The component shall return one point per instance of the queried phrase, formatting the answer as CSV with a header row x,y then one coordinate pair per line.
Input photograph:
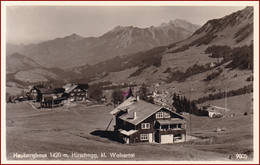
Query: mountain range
x,y
188,57
225,32
189,62
75,50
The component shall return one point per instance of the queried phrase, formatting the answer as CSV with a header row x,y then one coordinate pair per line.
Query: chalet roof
x,y
213,108
68,90
39,86
51,98
59,90
46,91
172,121
142,109
69,87
123,106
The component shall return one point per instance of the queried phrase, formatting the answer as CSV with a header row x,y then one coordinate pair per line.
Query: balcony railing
x,y
171,131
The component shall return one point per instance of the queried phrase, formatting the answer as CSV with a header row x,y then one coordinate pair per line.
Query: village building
x,y
51,98
37,92
216,111
139,121
51,101
48,97
34,91
76,92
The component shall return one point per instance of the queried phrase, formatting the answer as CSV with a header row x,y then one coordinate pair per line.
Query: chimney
x,y
134,115
137,98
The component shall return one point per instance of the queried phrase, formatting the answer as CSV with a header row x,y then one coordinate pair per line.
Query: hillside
x,y
177,66
22,71
17,62
74,50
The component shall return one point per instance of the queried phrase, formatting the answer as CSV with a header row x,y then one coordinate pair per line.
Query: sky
x,y
32,24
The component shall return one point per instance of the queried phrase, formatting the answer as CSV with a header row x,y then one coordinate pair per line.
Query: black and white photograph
x,y
130,82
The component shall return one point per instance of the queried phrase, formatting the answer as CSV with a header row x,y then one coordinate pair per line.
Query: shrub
x,y
95,93
250,78
117,96
181,49
168,70
143,94
182,76
213,75
137,72
218,51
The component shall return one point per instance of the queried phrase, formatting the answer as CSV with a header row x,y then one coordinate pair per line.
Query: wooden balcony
x,y
171,131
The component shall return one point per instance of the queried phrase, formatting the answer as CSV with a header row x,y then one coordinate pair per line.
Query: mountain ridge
x,y
74,50
189,60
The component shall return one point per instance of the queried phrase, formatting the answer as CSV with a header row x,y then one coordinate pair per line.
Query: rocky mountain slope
x,y
74,50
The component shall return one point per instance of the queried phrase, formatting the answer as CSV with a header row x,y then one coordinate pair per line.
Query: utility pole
x,y
226,98
190,109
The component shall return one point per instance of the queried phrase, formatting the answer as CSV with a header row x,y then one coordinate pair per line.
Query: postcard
x,y
130,82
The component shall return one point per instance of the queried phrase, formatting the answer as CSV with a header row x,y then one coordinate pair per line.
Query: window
x,y
165,127
173,126
144,136
145,125
159,115
167,115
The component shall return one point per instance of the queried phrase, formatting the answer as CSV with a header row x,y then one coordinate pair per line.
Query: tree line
x,y
240,57
118,95
182,104
221,95
182,76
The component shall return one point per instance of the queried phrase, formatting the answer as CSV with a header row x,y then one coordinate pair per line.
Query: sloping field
x,y
80,129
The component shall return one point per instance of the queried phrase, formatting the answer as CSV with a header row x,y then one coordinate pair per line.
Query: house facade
x,y
52,98
139,121
35,92
51,101
76,92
